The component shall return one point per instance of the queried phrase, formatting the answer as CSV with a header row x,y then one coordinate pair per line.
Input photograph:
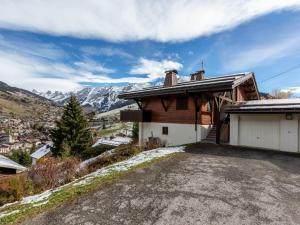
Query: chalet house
x,y
187,112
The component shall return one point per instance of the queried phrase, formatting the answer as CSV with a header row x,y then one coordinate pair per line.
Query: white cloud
x,y
121,20
294,90
33,48
107,51
93,66
154,69
25,72
30,72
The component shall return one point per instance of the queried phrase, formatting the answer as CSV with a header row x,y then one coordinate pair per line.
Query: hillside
x,y
23,103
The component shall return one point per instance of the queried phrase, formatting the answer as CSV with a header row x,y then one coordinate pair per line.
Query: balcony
x,y
135,116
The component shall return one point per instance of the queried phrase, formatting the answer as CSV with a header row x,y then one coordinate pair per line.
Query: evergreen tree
x,y
72,135
21,156
33,148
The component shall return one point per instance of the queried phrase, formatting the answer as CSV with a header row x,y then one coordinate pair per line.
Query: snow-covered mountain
x,y
100,99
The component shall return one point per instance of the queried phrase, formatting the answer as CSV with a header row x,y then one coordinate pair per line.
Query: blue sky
x,y
67,45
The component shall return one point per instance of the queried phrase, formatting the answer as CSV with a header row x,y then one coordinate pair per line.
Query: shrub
x,y
121,153
53,173
95,151
13,188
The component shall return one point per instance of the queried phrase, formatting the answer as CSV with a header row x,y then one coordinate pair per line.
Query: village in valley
x,y
30,134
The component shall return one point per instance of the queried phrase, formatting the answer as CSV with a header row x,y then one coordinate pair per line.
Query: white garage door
x,y
259,131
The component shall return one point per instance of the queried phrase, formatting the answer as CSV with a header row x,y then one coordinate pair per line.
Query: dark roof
x,y
266,106
214,84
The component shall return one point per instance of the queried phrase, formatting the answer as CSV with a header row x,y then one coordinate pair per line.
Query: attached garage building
x,y
268,124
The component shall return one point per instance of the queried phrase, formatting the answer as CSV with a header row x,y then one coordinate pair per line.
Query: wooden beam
x,y
139,103
242,80
162,100
226,99
217,102
220,99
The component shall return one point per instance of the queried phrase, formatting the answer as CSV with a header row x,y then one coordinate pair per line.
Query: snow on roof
x,y
8,163
113,142
267,105
41,152
288,101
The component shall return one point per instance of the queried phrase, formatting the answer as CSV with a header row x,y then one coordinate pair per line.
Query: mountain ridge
x,y
99,99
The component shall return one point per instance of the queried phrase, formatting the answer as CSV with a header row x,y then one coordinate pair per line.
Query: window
x,y
182,103
165,130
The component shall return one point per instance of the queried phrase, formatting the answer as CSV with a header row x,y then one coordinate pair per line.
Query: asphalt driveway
x,y
207,185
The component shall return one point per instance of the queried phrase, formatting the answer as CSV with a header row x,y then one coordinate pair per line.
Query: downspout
x,y
196,117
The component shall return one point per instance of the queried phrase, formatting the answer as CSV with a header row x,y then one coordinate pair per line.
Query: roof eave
x,y
185,90
260,111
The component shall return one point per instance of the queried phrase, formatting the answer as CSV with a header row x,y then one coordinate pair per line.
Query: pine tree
x,y
72,135
22,157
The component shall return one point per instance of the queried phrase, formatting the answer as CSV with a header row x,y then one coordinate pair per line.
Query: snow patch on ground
x,y
91,160
41,203
37,198
127,164
113,142
8,213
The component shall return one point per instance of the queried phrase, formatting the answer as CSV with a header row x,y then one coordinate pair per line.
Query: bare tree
x,y
279,94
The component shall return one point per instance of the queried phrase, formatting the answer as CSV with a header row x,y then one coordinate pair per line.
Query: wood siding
x,y
241,95
176,116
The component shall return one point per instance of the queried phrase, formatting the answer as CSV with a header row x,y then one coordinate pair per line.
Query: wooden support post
x,y
218,127
234,95
196,111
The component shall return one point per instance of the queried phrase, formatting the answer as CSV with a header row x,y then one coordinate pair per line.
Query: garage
x,y
267,124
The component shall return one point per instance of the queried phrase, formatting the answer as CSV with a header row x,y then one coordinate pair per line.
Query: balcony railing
x,y
135,116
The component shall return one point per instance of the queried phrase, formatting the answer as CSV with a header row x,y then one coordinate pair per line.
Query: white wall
x,y
270,131
234,129
178,133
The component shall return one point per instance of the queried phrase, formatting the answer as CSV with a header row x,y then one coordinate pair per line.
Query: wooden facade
x,y
169,113
206,99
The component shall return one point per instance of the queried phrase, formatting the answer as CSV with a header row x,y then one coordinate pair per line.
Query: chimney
x,y
171,78
199,75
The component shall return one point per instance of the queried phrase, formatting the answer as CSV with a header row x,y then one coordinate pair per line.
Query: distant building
x,y
6,138
8,166
4,149
44,151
